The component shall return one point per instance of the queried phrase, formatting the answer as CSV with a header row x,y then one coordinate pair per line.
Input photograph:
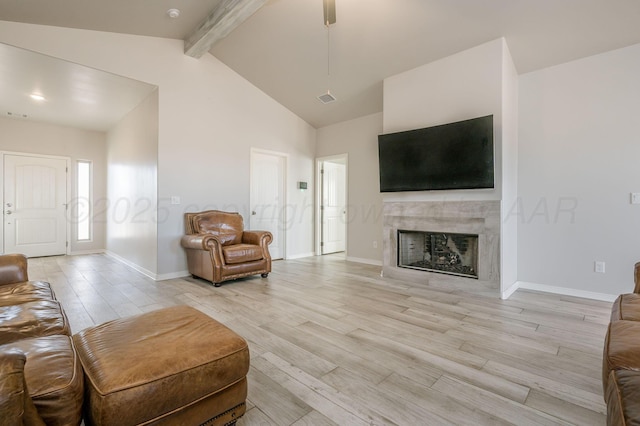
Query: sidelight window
x,y
83,205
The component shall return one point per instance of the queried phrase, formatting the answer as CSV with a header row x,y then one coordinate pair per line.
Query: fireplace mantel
x,y
463,217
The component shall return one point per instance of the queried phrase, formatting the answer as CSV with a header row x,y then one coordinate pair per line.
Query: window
x,y
84,200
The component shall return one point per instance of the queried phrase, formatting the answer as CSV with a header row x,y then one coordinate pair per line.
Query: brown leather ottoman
x,y
172,366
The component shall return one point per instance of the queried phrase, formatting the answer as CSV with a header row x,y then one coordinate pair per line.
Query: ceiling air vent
x,y
326,98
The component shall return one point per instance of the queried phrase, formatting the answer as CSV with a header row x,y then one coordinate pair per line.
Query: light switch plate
x,y
635,198
175,199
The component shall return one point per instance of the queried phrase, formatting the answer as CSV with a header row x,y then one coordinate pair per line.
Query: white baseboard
x,y
508,292
365,261
172,275
565,291
130,264
300,256
80,252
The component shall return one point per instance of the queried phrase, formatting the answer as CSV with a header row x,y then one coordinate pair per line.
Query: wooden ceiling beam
x,y
221,21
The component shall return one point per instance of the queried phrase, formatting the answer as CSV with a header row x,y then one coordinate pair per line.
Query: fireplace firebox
x,y
442,252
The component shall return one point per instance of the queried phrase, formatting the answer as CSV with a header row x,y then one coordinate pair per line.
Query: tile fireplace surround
x,y
462,217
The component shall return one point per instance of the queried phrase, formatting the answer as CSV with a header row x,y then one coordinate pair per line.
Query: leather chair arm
x,y
206,242
260,238
16,406
13,269
12,384
637,278
200,242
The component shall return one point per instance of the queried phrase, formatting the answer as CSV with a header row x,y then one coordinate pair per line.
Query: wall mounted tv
x,y
450,156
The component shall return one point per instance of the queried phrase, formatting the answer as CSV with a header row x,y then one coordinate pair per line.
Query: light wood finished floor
x,y
333,343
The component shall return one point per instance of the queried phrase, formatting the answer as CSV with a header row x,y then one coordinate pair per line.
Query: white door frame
x,y
283,203
68,189
318,189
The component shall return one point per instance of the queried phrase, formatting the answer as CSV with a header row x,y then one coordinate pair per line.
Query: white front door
x,y
35,202
267,198
333,207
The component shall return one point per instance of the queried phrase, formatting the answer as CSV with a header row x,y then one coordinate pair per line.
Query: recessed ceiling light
x,y
173,13
37,97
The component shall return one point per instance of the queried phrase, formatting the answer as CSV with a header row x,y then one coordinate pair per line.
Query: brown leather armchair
x,y
219,249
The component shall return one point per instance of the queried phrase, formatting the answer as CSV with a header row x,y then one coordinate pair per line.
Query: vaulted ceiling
x,y
282,48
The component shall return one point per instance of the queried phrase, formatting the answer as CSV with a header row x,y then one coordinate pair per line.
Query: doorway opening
x,y
331,204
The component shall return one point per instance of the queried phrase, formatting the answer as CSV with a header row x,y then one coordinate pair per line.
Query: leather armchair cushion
x,y
32,319
54,378
228,231
27,291
623,397
227,239
159,362
626,307
241,253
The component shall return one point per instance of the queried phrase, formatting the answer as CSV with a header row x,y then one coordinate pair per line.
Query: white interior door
x,y
35,202
268,199
333,207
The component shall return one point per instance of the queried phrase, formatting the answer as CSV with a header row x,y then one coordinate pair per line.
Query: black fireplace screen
x,y
444,252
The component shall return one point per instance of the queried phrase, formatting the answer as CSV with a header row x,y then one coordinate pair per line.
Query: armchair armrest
x,y
637,278
206,242
13,268
259,238
200,242
16,405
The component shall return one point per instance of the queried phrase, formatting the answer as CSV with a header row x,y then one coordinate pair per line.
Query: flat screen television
x,y
450,156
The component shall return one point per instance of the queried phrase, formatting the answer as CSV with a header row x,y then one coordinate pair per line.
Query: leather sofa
x,y
219,248
41,379
621,359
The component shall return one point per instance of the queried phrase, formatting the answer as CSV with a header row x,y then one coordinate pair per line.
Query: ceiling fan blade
x,y
329,7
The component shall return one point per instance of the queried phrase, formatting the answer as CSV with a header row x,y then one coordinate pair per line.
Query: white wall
x,y
132,190
359,139
209,119
578,160
459,87
510,144
78,144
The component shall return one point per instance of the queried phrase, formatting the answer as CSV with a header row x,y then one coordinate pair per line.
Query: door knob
x,y
9,204
8,212
253,213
